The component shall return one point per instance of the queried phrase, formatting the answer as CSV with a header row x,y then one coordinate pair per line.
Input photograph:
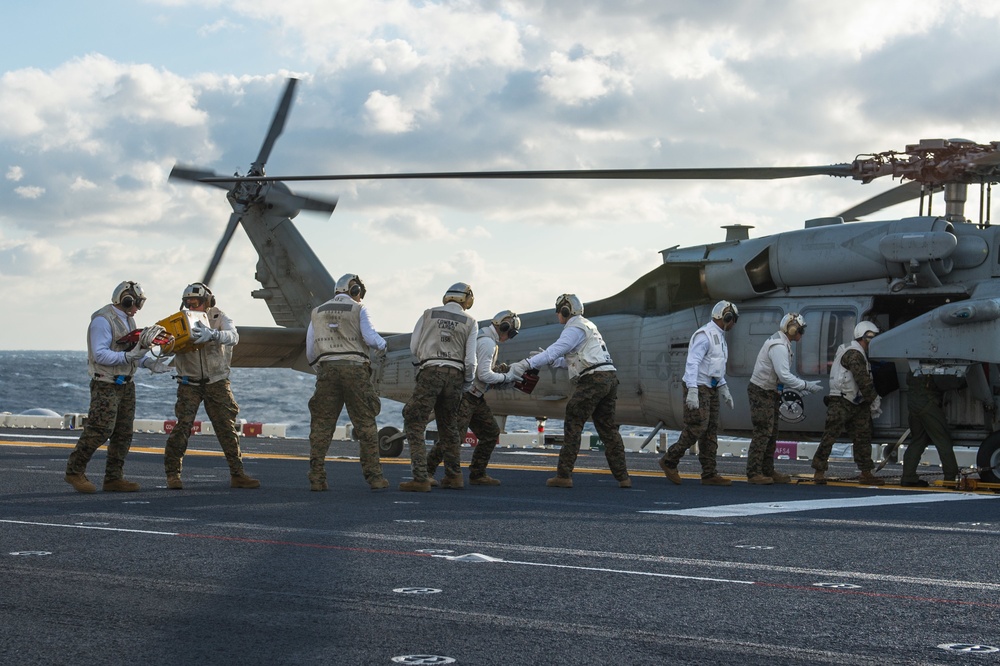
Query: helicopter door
x,y
753,328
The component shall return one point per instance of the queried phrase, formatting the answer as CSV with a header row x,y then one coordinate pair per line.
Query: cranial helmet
x,y
351,285
863,329
507,322
198,290
460,293
725,311
792,323
127,294
568,305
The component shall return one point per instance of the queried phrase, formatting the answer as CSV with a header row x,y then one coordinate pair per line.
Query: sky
x,y
100,99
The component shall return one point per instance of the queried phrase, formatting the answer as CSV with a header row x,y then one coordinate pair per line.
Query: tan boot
x,y
484,480
80,483
716,480
869,479
625,483
243,481
415,486
434,482
120,486
378,484
452,482
671,472
318,486
759,480
174,482
559,482
780,477
819,477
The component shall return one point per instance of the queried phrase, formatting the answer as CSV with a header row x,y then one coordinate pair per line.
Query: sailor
x,y
772,375
851,405
924,402
202,374
474,412
581,349
338,341
111,365
444,344
705,379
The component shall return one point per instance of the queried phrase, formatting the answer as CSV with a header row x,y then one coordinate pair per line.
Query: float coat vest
x,y
107,373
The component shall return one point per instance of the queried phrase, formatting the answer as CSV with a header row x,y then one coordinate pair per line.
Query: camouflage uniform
x,y
336,386
222,410
594,398
927,426
700,427
764,415
473,414
438,389
112,411
842,415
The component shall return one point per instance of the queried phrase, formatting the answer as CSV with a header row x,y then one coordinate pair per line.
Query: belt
x,y
119,379
188,380
342,362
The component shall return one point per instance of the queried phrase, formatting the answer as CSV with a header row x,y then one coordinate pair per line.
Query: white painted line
x,y
651,574
763,508
86,527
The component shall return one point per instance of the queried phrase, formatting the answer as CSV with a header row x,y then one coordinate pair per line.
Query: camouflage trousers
x,y
594,398
928,426
473,414
438,389
764,416
222,411
701,427
856,420
336,386
110,419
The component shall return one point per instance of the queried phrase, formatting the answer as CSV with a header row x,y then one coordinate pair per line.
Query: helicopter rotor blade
x,y
197,176
899,194
277,126
227,236
305,202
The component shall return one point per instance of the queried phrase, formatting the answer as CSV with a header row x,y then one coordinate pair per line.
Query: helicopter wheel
x,y
988,458
387,446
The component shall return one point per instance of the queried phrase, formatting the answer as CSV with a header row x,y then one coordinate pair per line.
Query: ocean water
x,y
57,380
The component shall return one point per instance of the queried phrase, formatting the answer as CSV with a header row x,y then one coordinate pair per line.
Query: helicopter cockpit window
x,y
828,329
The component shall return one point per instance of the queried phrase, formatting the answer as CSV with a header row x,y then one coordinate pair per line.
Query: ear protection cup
x,y
504,327
128,302
729,317
564,311
355,290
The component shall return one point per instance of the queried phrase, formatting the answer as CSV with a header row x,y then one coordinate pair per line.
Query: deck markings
x,y
764,508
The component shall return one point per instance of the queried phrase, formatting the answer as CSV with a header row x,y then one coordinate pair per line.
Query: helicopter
x,y
930,282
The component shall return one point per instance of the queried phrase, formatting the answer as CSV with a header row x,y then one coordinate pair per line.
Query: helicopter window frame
x,y
834,326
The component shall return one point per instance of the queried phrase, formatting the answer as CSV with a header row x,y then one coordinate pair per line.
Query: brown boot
x,y
415,486
715,480
625,483
869,479
759,480
318,486
559,482
484,480
80,483
243,481
120,486
174,482
452,482
819,477
671,472
780,477
434,482
378,484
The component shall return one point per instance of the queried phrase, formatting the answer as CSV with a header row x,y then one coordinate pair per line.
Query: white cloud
x,y
29,191
386,113
15,173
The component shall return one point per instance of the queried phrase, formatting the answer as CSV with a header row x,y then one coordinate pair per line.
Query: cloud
x,y
386,113
29,192
15,173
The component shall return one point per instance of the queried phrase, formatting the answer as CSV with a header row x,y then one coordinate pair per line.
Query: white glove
x,y
519,368
813,387
726,396
158,364
148,334
135,355
691,401
877,407
202,334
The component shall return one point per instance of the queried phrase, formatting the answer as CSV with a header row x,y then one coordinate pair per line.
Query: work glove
x,y
158,364
813,387
726,396
202,334
519,368
877,407
691,401
380,356
148,335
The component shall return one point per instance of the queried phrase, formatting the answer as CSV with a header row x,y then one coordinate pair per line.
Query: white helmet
x,y
127,294
568,305
351,285
725,311
460,293
198,290
792,323
507,322
864,328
